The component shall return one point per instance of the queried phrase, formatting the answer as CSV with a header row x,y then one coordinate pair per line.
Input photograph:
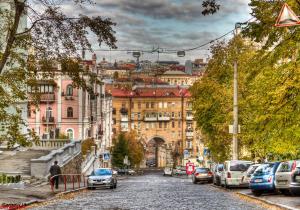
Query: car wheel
x,y
256,193
194,181
226,186
285,192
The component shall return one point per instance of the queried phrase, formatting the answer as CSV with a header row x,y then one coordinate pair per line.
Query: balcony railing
x,y
149,118
163,118
189,134
45,97
189,117
124,118
48,120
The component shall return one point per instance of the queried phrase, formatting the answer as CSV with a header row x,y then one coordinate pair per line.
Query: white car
x,y
283,175
247,176
233,172
168,171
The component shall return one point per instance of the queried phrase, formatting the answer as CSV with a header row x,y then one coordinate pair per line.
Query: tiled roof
x,y
150,92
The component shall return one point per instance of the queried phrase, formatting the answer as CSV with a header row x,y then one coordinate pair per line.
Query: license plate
x,y
282,181
258,180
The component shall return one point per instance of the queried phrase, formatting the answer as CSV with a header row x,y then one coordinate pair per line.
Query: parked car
x,y
295,183
168,171
233,172
263,178
102,177
125,171
247,177
202,175
218,168
131,172
179,171
283,176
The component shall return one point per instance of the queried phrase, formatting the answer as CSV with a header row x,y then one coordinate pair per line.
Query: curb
x,y
281,206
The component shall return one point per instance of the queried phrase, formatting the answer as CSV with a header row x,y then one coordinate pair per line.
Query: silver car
x,y
283,176
102,177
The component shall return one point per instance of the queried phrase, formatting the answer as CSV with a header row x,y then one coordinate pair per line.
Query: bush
x,y
86,145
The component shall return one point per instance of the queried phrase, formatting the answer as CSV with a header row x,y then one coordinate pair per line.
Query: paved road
x,y
153,191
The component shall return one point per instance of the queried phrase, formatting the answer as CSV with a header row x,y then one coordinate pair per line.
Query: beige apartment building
x,y
163,119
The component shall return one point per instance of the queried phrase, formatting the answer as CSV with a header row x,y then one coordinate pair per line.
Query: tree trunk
x,y
11,34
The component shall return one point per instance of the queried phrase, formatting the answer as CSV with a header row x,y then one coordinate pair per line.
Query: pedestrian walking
x,y
55,171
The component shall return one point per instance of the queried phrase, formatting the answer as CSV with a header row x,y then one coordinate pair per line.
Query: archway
x,y
155,152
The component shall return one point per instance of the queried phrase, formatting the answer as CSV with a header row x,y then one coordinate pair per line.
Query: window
x,y
147,126
50,88
139,105
69,90
179,114
160,105
166,105
160,124
173,124
139,115
147,105
152,104
179,124
70,133
70,112
49,112
166,124
173,115
28,110
132,116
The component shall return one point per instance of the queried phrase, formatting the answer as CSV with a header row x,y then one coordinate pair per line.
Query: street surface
x,y
154,191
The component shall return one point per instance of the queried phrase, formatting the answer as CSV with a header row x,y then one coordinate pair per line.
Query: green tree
x,y
51,38
119,151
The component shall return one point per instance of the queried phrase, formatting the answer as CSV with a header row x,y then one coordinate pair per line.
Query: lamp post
x,y
235,102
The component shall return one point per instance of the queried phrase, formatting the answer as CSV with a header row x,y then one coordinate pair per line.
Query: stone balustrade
x,y
40,167
49,144
90,162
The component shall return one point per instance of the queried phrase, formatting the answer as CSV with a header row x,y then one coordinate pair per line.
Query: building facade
x,y
178,78
163,119
66,111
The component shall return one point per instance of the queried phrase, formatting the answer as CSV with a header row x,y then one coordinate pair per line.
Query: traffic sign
x,y
190,167
106,156
287,17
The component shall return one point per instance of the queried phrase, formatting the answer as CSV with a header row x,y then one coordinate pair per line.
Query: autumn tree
x,y
51,38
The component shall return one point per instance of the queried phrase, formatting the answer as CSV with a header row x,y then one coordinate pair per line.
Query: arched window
x,y
69,90
70,133
70,112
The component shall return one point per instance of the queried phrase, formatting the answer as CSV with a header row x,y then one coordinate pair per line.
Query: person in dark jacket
x,y
55,170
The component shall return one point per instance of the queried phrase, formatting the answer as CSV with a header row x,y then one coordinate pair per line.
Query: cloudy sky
x,y
170,24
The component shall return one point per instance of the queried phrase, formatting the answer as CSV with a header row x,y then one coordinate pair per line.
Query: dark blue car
x,y
262,180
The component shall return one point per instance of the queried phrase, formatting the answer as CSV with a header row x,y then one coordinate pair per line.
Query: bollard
x,y
65,182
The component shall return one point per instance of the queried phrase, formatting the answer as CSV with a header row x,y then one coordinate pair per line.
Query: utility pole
x,y
235,102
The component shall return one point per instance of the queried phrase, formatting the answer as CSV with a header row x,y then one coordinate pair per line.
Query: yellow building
x,y
178,78
163,119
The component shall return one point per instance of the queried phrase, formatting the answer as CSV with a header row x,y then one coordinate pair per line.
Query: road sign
x,y
190,167
287,17
106,156
186,154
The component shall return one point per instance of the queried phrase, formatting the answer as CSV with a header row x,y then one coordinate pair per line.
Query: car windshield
x,y
252,169
263,169
202,170
100,172
285,167
239,166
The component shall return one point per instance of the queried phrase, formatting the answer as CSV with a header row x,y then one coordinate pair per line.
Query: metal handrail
x,y
73,177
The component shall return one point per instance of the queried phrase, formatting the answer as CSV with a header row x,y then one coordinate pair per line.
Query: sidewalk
x,y
282,201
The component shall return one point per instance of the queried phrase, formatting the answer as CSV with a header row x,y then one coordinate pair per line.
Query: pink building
x,y
65,110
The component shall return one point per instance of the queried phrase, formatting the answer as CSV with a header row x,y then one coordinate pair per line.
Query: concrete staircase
x,y
18,162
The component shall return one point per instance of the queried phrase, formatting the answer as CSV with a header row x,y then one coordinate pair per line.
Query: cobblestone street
x,y
155,191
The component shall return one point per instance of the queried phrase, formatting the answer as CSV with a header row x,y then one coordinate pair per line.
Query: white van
x,y
233,172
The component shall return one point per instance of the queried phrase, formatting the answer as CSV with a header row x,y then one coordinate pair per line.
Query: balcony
x,y
45,97
189,134
123,110
124,118
69,97
150,117
164,117
189,117
124,129
48,120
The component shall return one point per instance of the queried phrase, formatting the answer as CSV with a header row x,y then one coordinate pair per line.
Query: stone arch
x,y
155,152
